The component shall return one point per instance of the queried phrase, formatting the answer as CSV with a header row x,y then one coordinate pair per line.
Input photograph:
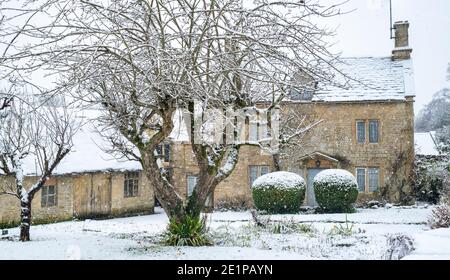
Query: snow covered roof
x,y
372,79
425,144
87,154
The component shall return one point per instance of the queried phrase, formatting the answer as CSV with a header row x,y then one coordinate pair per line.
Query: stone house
x,y
367,128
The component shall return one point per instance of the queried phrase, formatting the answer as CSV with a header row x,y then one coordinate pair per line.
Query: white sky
x,y
365,32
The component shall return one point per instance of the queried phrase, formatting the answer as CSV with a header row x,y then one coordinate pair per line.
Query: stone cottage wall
x,y
336,137
87,195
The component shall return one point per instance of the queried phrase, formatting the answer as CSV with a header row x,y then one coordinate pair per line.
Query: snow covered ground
x,y
362,235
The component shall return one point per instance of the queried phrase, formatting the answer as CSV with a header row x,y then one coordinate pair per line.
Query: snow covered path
x,y
135,238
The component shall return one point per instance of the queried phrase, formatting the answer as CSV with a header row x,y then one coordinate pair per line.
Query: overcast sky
x,y
365,32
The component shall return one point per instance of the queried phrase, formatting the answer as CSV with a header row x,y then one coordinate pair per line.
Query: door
x,y
92,195
310,197
100,195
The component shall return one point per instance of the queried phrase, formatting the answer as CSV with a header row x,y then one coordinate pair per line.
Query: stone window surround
x,y
367,187
367,131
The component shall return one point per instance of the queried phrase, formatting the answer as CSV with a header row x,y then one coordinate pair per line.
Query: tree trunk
x,y
165,193
276,162
25,216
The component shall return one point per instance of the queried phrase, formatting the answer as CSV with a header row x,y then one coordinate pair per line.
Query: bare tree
x,y
144,60
42,135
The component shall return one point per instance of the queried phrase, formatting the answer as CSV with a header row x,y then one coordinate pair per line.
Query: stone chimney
x,y
402,50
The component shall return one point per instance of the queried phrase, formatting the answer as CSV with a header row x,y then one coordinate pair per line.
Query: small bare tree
x,y
30,134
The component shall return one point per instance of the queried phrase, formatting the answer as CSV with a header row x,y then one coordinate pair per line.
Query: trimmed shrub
x,y
336,190
279,192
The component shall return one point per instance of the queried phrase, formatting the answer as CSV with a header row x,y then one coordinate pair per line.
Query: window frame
x,y
365,179
367,188
45,196
370,190
364,130
131,180
378,131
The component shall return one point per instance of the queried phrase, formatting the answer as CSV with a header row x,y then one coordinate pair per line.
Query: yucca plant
x,y
192,231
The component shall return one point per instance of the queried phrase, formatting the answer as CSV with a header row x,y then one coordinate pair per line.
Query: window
x,y
131,184
264,170
254,131
361,179
258,128
191,183
368,177
361,131
255,171
305,86
373,179
49,196
163,152
373,131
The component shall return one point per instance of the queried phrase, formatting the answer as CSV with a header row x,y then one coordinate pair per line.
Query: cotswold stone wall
x,y
336,137
10,205
95,194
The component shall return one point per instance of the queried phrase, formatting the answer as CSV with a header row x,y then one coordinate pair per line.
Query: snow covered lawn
x,y
362,235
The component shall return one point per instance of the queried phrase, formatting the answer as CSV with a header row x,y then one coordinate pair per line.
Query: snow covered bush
x,y
399,246
336,190
440,216
279,192
432,178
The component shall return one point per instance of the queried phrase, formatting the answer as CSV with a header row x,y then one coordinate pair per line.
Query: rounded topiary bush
x,y
279,192
336,190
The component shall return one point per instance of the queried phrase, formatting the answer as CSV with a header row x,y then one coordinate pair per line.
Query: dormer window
x,y
304,88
